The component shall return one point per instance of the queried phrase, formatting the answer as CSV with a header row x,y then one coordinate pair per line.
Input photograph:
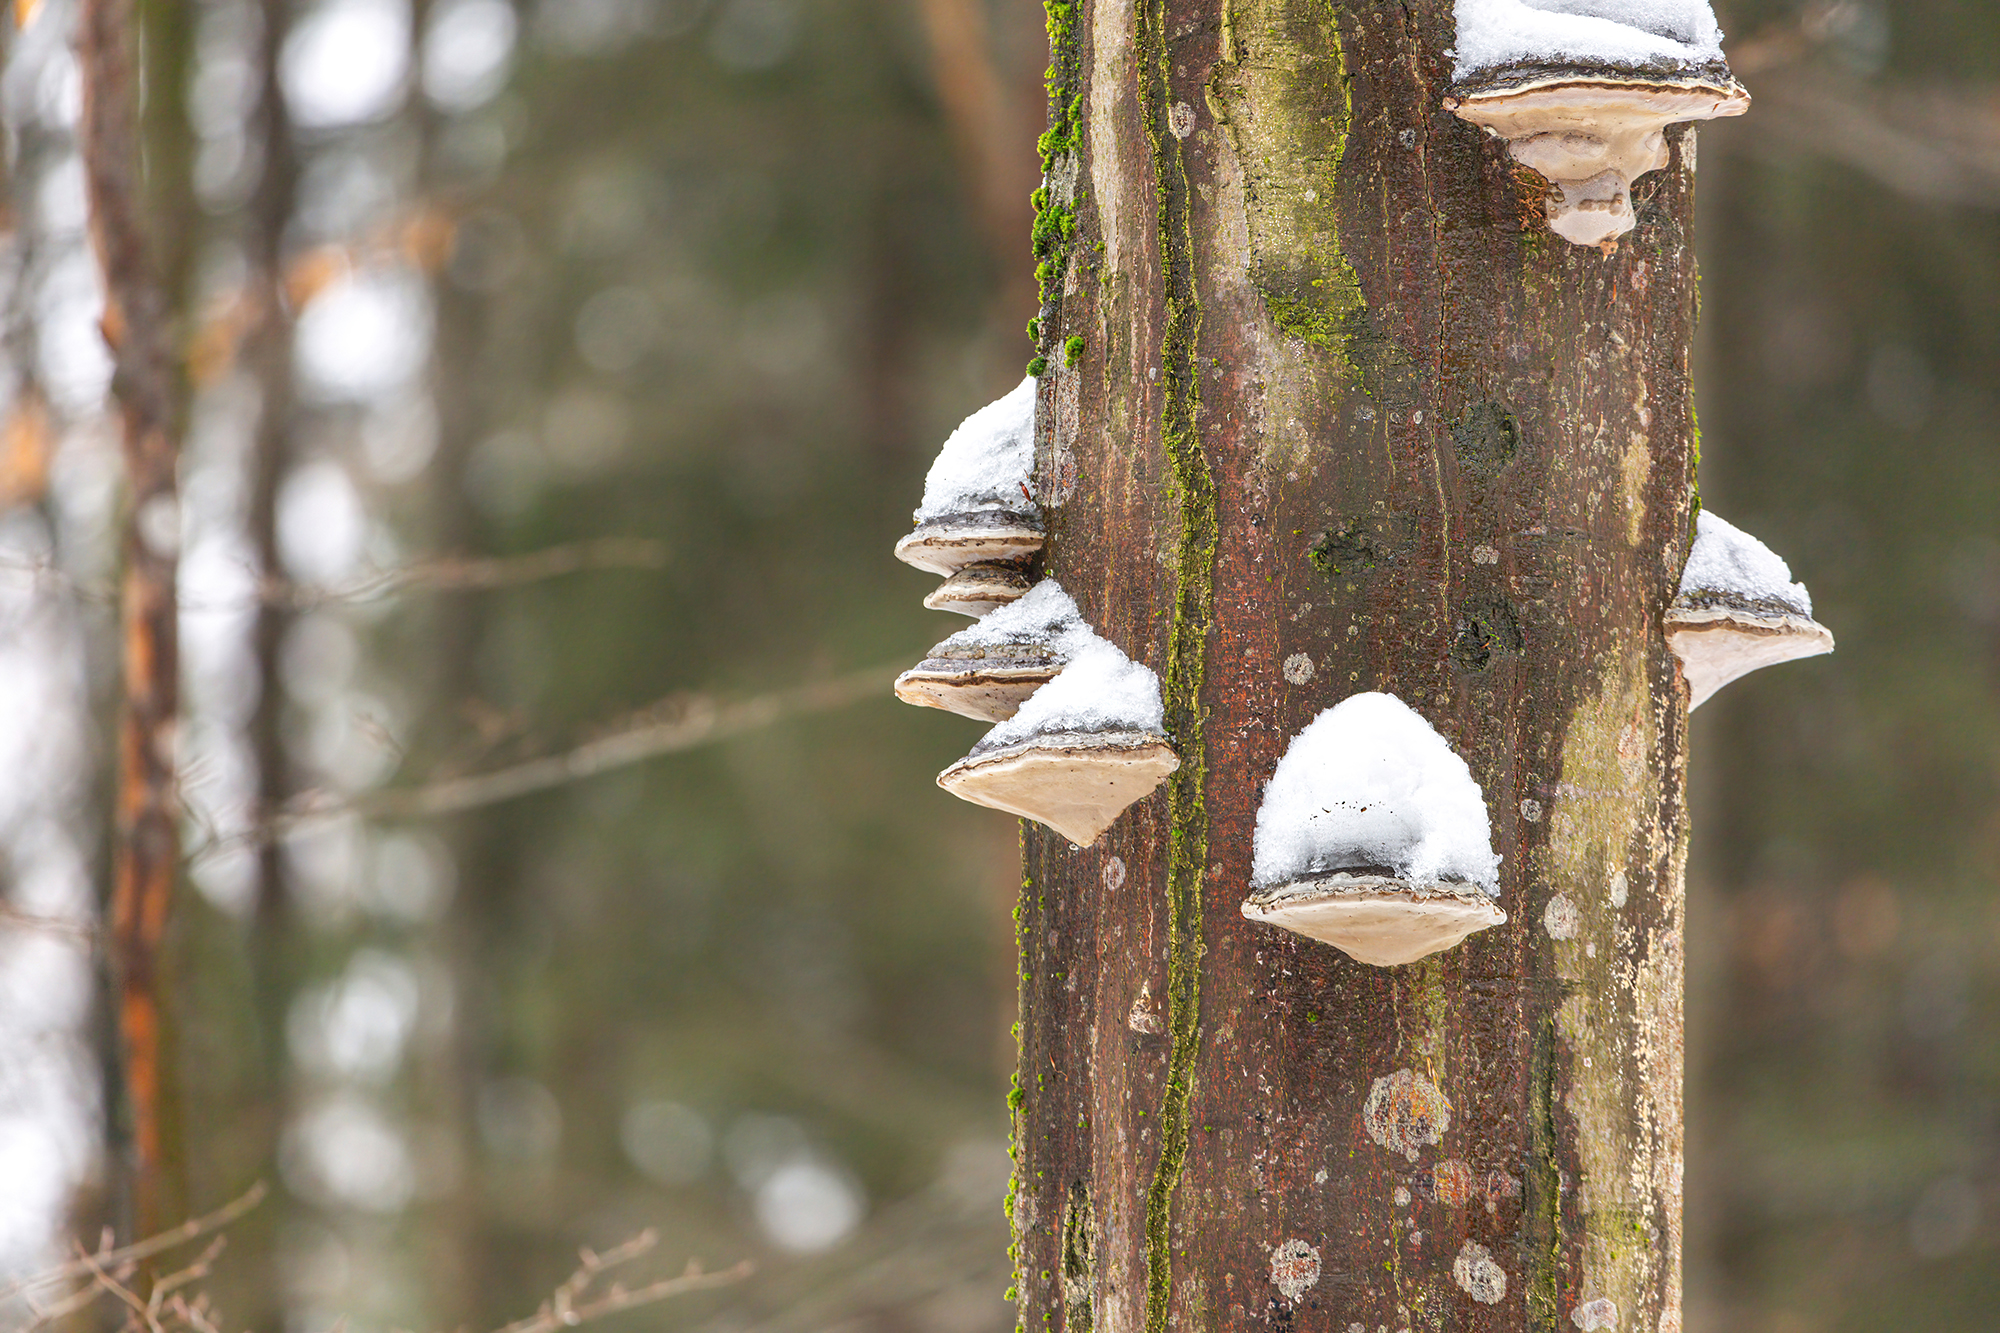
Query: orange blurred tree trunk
x,y
147,384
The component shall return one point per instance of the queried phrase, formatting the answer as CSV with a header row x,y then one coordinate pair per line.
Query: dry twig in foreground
x,y
571,1304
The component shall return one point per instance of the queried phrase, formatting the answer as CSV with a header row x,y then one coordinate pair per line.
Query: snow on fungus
x,y
1373,837
1080,751
978,589
1738,610
977,504
989,669
1581,90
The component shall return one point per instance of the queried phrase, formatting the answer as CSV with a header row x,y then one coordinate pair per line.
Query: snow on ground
x,y
1728,564
986,462
1369,783
1044,615
1100,690
1637,34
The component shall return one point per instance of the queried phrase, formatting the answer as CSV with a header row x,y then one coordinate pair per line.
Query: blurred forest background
x,y
615,339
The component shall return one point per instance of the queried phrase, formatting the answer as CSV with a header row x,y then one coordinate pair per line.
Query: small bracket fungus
x,y
988,670
978,589
1738,610
1373,837
1077,753
977,507
1581,90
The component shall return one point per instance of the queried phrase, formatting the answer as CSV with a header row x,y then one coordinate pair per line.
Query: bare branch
x,y
81,931
568,1307
438,574
106,1257
679,722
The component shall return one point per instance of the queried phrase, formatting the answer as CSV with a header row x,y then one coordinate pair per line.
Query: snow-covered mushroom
x,y
1082,749
1373,837
978,589
978,508
1581,90
987,670
1738,610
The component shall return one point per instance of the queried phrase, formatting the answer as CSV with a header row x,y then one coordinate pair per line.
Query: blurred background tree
x,y
569,367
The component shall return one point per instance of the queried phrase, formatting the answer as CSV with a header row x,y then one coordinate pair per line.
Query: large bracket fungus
x,y
1737,610
1581,90
989,669
978,509
1373,837
1080,751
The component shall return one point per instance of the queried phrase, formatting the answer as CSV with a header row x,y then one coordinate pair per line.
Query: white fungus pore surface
x,y
1728,565
1651,35
1101,690
1045,614
986,462
1369,783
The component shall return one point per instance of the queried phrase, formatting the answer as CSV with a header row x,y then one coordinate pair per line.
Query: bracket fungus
x,y
1080,751
989,669
978,589
1581,90
977,506
1738,610
1373,837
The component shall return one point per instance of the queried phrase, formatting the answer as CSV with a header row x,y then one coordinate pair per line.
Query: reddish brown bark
x,y
1346,417
146,856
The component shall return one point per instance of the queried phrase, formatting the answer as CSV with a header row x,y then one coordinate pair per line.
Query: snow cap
x,y
1655,36
1100,691
986,462
1727,564
1369,783
1045,614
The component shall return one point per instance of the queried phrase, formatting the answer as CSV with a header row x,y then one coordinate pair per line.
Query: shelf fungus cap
x,y
989,669
1375,917
978,505
1373,837
1581,90
1738,610
1079,752
978,589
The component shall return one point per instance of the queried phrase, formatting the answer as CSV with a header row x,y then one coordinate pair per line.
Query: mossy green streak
x,y
1187,651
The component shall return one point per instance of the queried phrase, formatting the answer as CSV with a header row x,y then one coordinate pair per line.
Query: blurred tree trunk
x,y
1345,416
134,161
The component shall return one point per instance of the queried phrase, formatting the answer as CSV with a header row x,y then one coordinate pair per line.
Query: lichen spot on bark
x,y
1294,1269
1482,1278
1406,1112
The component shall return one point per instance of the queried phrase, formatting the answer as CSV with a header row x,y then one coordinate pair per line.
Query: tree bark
x,y
1345,416
146,852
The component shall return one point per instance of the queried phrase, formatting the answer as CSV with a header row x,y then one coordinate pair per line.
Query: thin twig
x,y
81,931
681,722
120,1290
438,574
567,1308
192,1229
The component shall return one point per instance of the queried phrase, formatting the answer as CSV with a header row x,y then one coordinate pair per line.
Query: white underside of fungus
x,y
1738,610
989,669
1581,90
1373,837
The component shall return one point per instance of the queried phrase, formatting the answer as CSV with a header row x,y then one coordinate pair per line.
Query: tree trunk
x,y
146,382
1345,416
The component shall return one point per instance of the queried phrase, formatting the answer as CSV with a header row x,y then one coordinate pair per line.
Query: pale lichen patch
x,y
1475,1270
1406,1112
1294,1269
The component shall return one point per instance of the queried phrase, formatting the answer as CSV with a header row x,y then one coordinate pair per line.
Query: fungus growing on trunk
x,y
988,670
978,508
1581,90
1738,610
1080,751
1373,837
978,589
